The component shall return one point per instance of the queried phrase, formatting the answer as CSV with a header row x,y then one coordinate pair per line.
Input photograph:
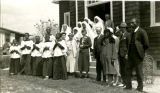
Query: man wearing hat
x,y
71,54
123,51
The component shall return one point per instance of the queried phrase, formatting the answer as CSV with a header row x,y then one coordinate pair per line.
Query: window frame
x,y
67,14
153,22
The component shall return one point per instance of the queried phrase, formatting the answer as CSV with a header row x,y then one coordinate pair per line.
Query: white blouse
x,y
47,53
60,52
14,54
27,43
35,52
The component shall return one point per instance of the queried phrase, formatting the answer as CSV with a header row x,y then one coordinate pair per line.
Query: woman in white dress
x,y
66,29
71,54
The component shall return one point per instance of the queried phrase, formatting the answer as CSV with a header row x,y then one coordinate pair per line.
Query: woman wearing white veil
x,y
91,24
79,25
98,22
66,29
90,32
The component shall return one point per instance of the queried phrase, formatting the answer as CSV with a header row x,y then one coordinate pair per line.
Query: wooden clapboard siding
x,y
72,8
80,10
63,7
117,12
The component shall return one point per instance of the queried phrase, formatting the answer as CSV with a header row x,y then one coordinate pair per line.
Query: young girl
x,y
71,54
59,52
47,57
26,48
15,58
36,57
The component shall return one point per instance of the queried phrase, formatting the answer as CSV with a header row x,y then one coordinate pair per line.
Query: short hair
x,y
136,19
26,34
106,30
84,30
63,33
58,35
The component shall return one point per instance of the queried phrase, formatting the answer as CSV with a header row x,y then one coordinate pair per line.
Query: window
x,y
158,65
155,13
67,18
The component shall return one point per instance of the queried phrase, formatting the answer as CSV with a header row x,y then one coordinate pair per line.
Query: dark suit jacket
x,y
141,41
123,45
97,46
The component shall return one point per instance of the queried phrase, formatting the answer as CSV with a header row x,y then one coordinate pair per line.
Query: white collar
x,y
136,29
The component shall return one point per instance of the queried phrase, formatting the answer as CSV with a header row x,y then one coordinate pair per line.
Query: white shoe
x,y
46,78
121,85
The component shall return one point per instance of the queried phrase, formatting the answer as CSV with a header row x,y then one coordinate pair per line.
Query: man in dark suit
x,y
123,51
137,43
97,51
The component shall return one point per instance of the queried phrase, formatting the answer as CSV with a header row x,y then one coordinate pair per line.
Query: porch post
x,y
123,11
76,12
111,9
85,8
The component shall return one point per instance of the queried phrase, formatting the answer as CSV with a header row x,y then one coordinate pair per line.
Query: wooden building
x,y
7,34
148,12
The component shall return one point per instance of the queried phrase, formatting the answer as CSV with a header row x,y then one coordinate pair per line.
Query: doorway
x,y
99,10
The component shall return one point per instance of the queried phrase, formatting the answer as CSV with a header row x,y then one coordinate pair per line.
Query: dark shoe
x,y
140,90
86,76
80,76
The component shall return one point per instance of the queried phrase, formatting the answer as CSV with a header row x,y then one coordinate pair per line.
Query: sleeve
x,y
145,40
114,53
19,49
31,44
65,47
10,49
94,47
41,47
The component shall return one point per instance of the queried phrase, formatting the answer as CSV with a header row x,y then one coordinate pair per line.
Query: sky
x,y
22,15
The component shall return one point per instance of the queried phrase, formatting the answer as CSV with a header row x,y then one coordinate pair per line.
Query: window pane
x,y
157,11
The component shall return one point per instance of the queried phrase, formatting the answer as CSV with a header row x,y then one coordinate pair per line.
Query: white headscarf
x,y
78,35
100,24
80,24
89,21
67,31
90,32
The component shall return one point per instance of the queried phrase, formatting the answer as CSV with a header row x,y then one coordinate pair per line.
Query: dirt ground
x,y
31,84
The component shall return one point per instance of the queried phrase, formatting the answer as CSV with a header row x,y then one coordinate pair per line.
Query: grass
x,y
31,84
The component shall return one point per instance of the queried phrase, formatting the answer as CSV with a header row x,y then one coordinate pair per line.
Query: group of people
x,y
117,51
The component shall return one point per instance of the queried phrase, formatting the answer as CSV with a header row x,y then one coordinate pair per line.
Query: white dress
x,y
71,56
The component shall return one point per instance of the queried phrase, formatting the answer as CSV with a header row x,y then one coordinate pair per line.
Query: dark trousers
x,y
134,61
14,65
26,64
122,64
99,70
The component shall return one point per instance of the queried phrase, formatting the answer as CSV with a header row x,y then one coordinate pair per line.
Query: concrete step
x,y
92,69
92,75
93,63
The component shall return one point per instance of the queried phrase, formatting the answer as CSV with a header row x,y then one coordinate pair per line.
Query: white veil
x,y
67,31
90,32
100,24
